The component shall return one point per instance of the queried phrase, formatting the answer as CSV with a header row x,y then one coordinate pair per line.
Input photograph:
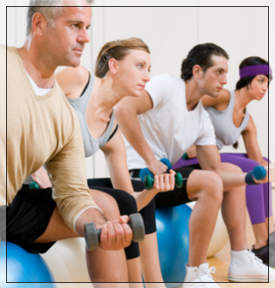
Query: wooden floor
x,y
222,259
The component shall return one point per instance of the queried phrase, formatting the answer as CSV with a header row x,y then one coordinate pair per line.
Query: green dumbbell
x,y
148,178
33,185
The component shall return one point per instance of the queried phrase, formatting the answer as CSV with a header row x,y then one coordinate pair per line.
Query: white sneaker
x,y
200,274
245,267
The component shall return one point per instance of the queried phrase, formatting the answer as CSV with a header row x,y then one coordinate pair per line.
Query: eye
x,y
75,26
140,65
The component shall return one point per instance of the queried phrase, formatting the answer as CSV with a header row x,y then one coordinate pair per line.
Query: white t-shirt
x,y
169,128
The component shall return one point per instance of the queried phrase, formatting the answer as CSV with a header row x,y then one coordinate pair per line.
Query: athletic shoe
x,y
200,277
246,267
261,253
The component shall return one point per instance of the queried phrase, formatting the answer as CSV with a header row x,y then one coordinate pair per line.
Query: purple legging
x,y
258,197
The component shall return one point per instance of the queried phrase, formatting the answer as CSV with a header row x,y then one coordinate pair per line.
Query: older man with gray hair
x,y
43,128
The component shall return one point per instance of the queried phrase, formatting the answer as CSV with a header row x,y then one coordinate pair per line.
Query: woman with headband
x,y
122,69
230,117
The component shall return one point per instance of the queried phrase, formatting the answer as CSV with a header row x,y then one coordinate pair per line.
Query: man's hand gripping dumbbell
x,y
99,237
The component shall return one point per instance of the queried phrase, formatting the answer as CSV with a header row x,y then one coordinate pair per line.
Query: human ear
x,y
38,23
197,71
113,65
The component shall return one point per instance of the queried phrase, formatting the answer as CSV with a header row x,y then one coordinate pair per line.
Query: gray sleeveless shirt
x,y
91,145
226,132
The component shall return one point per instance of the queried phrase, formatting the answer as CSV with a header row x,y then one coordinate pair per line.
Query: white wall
x,y
170,33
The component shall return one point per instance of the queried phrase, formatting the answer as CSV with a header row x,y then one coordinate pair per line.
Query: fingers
x,y
116,235
165,182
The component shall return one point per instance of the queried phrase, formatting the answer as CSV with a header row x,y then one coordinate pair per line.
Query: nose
x,y
146,76
83,36
224,80
265,86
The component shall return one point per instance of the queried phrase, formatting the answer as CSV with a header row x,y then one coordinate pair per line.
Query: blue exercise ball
x,y
18,265
173,242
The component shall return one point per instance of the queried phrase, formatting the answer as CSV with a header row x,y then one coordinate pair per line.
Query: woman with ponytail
x,y
230,117
122,69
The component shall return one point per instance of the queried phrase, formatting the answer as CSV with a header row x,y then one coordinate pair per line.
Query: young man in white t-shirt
x,y
163,123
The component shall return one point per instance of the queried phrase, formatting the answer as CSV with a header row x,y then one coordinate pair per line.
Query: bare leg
x,y
133,265
205,187
150,261
56,230
134,273
234,213
103,266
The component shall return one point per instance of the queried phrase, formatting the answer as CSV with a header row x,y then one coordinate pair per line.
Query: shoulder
x,y
163,79
220,103
72,80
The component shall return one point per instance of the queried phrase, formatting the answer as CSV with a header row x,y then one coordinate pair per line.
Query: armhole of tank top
x,y
86,86
114,132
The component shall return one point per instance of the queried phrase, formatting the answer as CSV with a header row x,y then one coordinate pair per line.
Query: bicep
x,y
250,141
208,157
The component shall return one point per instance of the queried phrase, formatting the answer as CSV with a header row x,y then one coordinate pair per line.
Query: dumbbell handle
x,y
92,234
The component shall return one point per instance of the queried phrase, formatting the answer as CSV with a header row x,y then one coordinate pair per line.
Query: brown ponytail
x,y
118,50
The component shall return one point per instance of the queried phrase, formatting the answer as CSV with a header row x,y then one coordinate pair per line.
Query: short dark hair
x,y
250,61
200,55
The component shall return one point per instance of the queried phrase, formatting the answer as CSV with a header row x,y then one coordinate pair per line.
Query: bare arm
x,y
191,152
209,159
115,155
72,81
251,143
41,178
126,114
220,103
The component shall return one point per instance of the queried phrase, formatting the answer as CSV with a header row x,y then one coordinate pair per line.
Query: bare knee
x,y
206,185
213,188
106,203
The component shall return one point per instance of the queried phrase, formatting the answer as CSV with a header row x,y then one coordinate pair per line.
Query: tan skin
x,y
243,97
226,188
45,49
125,77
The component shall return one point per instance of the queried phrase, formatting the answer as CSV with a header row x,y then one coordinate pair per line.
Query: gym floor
x,y
222,259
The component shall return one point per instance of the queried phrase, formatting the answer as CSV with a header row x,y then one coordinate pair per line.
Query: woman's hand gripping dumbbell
x,y
260,175
147,176
93,235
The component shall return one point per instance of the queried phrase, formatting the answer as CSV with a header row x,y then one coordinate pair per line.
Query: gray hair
x,y
50,9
